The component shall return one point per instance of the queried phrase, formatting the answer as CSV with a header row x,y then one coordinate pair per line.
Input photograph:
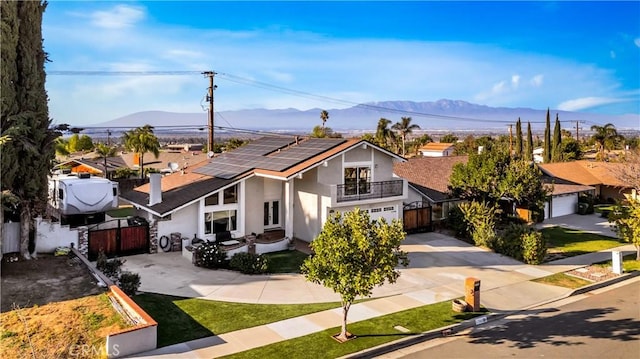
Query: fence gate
x,y
417,217
119,241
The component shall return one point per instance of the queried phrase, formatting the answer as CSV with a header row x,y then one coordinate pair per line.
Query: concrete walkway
x,y
593,223
439,265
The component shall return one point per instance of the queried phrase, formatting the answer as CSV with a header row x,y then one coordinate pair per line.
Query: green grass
x,y
369,333
571,242
629,263
563,280
285,261
183,319
122,212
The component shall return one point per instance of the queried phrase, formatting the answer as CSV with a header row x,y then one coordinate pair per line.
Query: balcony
x,y
369,190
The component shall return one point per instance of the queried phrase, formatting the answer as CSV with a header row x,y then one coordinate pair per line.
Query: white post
x,y
616,262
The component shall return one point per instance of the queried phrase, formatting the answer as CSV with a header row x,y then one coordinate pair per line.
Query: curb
x,y
456,328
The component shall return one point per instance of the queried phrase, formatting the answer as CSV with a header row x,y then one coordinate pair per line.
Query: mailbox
x,y
472,293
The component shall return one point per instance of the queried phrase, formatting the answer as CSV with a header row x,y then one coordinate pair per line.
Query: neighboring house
x,y
564,197
176,154
428,179
287,184
537,155
93,166
599,175
437,149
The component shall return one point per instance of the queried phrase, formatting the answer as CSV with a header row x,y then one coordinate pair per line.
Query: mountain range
x,y
438,115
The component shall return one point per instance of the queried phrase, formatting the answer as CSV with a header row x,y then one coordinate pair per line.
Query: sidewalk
x,y
506,287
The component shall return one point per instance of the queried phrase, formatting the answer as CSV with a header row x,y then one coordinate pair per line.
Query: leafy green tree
x,y
528,149
627,223
404,128
103,151
493,175
324,116
571,150
449,138
467,146
24,113
480,218
519,144
354,254
234,143
556,149
605,137
61,147
85,143
547,140
72,143
142,140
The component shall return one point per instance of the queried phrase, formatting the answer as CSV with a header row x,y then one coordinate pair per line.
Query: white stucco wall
x,y
253,205
184,221
307,206
52,235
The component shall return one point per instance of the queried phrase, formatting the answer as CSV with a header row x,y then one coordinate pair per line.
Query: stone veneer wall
x,y
83,241
153,236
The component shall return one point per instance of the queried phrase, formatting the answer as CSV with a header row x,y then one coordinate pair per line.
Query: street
x,y
600,324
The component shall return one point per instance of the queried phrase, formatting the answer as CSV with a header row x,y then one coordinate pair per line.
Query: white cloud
x,y
537,80
119,17
583,103
515,81
612,54
637,41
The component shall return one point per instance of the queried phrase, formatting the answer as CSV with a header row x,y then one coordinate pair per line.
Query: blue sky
x,y
576,56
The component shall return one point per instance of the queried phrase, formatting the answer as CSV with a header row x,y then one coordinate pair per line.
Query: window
x,y
357,180
212,200
231,195
60,193
220,221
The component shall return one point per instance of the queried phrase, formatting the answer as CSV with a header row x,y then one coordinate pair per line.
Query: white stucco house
x,y
437,149
273,183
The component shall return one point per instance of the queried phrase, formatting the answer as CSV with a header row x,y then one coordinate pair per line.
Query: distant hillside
x,y
438,115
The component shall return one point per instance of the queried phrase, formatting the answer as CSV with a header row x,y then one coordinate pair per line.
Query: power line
x,y
267,86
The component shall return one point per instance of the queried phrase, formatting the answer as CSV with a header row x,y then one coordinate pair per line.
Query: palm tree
x,y
404,128
324,116
141,140
383,133
604,136
104,152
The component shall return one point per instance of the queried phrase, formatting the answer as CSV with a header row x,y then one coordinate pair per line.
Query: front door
x,y
271,214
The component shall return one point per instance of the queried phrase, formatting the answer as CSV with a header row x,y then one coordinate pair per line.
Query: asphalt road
x,y
601,325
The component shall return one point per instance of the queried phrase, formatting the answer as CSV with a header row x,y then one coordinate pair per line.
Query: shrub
x,y
210,255
109,267
456,222
484,235
509,242
480,220
534,247
129,282
249,263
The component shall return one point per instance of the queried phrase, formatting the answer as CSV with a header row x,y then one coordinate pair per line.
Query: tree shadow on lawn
x,y
174,325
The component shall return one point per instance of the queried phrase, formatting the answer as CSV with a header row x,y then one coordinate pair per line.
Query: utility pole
x,y
577,129
210,142
510,140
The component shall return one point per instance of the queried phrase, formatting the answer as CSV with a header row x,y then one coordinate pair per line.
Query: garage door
x,y
564,205
388,213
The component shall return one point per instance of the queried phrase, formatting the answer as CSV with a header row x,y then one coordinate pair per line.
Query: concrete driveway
x,y
438,267
593,223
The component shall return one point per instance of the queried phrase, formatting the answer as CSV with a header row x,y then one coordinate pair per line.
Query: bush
x,y
109,267
534,247
484,235
210,255
129,282
249,263
480,220
456,222
509,242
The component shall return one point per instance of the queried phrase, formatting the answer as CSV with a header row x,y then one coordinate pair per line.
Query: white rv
x,y
82,197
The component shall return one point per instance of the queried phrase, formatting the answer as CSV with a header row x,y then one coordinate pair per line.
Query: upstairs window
x,y
357,180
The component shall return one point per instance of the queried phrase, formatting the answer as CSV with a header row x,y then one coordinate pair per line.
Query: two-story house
x,y
283,183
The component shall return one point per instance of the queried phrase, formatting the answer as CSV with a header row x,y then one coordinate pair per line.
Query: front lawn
x,y
629,263
370,333
563,280
572,242
285,261
121,212
183,319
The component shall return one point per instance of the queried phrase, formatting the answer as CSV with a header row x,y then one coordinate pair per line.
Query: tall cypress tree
x,y
519,138
25,114
528,150
547,140
557,142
